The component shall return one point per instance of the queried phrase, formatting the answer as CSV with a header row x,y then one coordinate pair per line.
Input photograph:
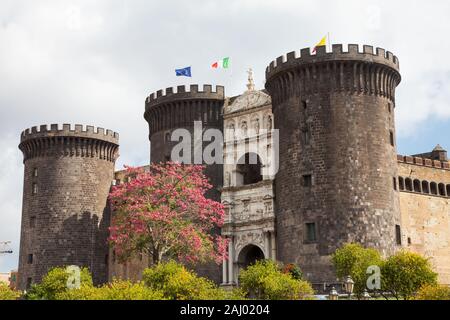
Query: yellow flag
x,y
322,42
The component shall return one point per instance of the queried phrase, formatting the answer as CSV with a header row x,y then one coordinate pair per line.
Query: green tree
x,y
178,283
353,260
433,292
404,273
266,280
6,293
55,282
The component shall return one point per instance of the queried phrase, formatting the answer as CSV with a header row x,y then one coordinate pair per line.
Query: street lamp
x,y
366,295
334,295
348,286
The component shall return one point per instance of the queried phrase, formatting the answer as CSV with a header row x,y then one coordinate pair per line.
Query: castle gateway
x,y
314,166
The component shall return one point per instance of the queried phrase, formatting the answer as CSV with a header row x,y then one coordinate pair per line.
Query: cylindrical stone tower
x,y
65,216
170,110
337,177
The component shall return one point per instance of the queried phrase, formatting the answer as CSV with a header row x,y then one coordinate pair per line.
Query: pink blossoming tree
x,y
163,213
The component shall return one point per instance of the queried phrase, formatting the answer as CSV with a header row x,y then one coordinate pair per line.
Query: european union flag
x,y
186,72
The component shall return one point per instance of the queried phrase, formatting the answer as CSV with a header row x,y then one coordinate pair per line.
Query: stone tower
x,y
68,175
170,110
337,179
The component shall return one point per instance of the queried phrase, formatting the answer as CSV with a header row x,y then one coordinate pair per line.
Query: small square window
x,y
311,232
398,235
32,222
30,259
307,181
304,105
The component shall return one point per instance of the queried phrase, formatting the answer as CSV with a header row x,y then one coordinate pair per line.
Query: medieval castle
x,y
339,178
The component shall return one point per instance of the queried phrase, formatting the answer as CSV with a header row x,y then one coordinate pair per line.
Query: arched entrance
x,y
249,255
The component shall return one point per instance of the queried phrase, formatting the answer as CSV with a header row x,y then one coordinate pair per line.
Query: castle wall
x,y
334,112
425,216
68,174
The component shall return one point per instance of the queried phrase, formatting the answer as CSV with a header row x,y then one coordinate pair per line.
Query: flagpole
x,y
329,41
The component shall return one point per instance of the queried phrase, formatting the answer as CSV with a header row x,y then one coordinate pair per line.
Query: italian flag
x,y
221,64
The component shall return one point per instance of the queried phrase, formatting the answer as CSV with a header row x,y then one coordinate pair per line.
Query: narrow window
x,y
35,172
401,183
409,241
168,137
391,137
417,186
29,282
448,190
433,188
30,259
306,136
32,222
307,181
304,105
389,108
35,188
409,184
398,235
311,234
394,181
425,187
106,259
442,189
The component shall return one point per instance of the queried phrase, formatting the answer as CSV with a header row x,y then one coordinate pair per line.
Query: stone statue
x,y
251,83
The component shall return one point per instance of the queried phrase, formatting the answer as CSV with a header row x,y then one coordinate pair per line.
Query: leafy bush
x,y
55,282
6,293
404,273
433,292
294,271
117,290
178,283
265,280
353,260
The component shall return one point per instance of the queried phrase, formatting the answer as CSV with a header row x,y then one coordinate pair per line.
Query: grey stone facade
x,y
68,175
335,113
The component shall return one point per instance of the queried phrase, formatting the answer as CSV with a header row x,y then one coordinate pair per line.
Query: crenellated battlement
x,y
436,164
364,53
67,130
180,92
168,109
68,141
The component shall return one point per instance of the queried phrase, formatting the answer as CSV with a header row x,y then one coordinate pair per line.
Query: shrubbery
x,y
353,260
6,293
55,282
117,290
265,280
433,292
178,283
404,273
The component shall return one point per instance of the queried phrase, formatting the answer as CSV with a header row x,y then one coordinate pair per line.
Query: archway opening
x,y
249,169
249,255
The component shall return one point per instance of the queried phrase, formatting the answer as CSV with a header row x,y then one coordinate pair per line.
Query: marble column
x,y
224,271
230,260
266,245
273,246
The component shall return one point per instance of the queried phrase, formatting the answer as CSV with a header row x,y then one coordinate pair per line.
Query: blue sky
x,y
95,62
